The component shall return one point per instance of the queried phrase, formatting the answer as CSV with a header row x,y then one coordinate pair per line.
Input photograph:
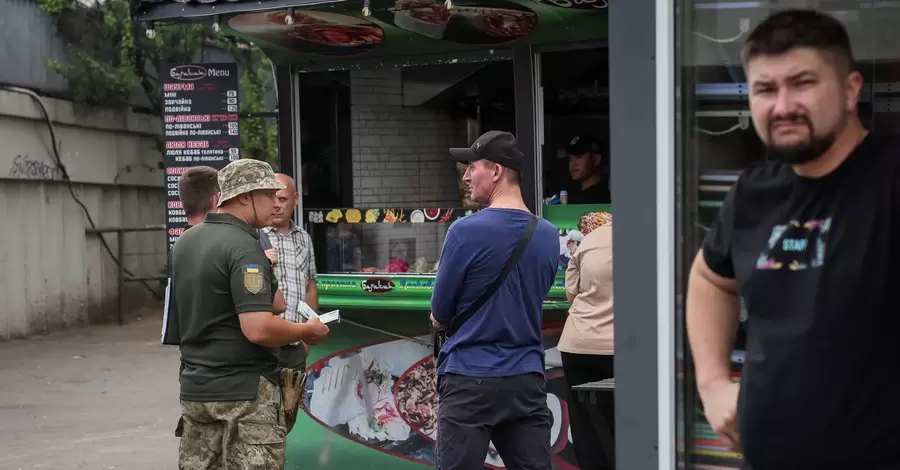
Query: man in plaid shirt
x,y
295,266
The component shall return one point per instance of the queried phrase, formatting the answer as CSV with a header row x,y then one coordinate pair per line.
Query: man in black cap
x,y
496,268
586,169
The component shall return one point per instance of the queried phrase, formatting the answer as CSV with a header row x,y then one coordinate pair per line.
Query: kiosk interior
x,y
371,97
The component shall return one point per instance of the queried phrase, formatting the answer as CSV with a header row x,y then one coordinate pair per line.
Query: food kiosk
x,y
371,95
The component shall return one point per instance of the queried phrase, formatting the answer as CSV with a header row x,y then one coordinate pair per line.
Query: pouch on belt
x,y
293,394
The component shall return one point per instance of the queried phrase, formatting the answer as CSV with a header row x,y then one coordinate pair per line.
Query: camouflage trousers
x,y
239,435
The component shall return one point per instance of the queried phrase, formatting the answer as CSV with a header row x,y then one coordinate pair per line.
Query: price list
x,y
200,119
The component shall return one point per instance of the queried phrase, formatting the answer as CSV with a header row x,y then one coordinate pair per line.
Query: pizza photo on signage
x,y
504,24
492,22
588,5
416,396
425,17
383,395
312,32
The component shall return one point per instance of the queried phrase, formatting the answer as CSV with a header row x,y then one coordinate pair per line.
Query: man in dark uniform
x,y
222,292
198,192
590,185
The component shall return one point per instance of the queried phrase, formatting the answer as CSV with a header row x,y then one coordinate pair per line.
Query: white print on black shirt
x,y
796,246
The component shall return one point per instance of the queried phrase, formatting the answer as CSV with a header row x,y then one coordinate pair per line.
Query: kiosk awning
x,y
189,10
350,31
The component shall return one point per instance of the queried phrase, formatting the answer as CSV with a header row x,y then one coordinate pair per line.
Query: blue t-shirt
x,y
504,337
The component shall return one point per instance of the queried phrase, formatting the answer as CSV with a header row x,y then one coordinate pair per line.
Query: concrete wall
x,y
56,276
400,159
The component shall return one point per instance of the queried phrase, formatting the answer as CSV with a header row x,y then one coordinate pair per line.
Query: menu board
x,y
200,117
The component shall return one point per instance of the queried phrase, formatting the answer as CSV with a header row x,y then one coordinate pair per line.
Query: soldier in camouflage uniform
x,y
222,291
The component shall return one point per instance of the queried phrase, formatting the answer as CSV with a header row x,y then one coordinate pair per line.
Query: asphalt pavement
x,y
103,397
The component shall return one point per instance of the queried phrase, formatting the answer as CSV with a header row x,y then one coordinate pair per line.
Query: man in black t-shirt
x,y
808,240
590,186
222,292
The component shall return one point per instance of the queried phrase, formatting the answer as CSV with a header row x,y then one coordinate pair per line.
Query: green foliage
x,y
259,136
55,7
111,59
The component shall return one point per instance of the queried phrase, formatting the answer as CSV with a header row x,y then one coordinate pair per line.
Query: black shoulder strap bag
x,y
440,336
264,240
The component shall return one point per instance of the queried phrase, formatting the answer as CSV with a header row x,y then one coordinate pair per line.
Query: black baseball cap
x,y
581,144
496,146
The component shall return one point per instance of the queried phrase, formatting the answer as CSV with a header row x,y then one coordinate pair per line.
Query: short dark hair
x,y
512,176
196,187
790,29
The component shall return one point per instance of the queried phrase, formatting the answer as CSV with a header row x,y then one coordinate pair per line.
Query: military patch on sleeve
x,y
253,279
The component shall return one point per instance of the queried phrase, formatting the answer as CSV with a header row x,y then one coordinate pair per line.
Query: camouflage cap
x,y
245,175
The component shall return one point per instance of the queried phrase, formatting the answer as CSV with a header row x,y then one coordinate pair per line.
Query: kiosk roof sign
x,y
292,32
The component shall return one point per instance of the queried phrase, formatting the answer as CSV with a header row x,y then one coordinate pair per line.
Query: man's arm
x,y
312,291
449,281
265,329
251,281
713,314
713,307
312,294
279,305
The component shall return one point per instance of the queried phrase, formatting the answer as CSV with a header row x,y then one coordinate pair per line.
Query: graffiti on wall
x,y
25,168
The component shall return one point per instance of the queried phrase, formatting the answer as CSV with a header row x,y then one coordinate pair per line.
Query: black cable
x,y
65,175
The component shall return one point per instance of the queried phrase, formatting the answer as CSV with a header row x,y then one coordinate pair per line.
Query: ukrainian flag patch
x,y
253,279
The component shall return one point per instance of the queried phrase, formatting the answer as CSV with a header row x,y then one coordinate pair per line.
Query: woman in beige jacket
x,y
586,344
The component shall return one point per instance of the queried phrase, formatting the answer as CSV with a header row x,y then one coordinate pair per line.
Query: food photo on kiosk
x,y
371,97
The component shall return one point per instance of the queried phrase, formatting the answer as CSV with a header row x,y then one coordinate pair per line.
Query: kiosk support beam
x,y
287,93
526,134
642,194
289,159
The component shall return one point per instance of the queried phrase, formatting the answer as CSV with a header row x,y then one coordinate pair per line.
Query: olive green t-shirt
x,y
219,271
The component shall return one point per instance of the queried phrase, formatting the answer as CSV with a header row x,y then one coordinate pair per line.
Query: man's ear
x,y
498,172
215,200
596,158
854,87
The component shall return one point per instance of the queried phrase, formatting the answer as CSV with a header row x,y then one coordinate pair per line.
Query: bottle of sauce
x,y
563,197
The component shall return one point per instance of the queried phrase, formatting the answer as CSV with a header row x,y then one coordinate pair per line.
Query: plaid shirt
x,y
296,267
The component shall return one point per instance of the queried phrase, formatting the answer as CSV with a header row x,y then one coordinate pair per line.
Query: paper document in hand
x,y
306,311
332,316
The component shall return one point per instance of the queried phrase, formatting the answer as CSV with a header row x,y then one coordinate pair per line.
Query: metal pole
x,y
385,332
121,249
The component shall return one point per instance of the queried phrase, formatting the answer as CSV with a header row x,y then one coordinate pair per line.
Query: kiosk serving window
x,y
401,190
575,114
405,190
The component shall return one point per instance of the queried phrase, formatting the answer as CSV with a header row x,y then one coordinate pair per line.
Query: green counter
x,y
378,291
